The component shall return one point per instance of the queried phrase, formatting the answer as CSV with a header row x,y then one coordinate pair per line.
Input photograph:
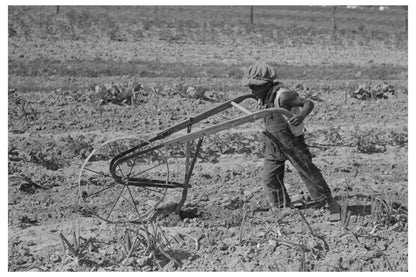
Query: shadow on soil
x,y
178,255
361,210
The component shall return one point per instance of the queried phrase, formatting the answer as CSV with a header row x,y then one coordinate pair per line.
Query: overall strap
x,y
271,96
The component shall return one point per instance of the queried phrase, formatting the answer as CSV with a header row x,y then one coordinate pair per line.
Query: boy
x,y
287,141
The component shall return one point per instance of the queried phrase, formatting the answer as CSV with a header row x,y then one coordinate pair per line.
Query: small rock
x,y
313,243
395,226
142,261
25,252
55,258
223,246
203,198
229,241
317,213
21,262
225,199
128,261
146,268
358,229
129,269
247,193
31,243
27,187
375,254
272,243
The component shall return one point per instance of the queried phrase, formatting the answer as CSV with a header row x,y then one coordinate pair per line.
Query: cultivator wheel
x,y
122,202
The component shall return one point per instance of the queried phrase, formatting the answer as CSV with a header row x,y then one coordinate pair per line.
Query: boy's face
x,y
260,92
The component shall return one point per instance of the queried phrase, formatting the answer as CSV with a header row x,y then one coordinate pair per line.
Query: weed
x,y
130,243
149,240
313,233
333,137
76,250
369,142
302,262
345,213
385,212
243,221
22,108
25,222
119,94
209,237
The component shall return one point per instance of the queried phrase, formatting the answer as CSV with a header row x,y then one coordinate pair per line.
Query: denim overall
x,y
285,146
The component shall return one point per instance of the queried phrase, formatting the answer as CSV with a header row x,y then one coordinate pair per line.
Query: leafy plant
x,y
22,108
119,94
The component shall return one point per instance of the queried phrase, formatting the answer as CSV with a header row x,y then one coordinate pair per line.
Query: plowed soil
x,y
361,147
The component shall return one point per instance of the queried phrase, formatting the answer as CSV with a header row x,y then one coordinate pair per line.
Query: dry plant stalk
x,y
76,249
155,242
313,232
302,263
243,221
207,233
128,246
345,214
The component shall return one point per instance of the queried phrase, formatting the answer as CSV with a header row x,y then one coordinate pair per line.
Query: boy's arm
x,y
290,99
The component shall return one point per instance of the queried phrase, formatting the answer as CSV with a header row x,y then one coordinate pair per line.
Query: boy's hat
x,y
259,74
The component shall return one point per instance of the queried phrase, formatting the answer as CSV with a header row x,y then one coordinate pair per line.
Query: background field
x,y
55,60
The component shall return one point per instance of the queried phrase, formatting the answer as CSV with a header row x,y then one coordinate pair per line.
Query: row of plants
x,y
98,67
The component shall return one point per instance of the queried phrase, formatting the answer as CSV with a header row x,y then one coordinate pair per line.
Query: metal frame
x,y
148,146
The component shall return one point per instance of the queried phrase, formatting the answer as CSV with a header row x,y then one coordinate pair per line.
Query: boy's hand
x,y
290,99
296,120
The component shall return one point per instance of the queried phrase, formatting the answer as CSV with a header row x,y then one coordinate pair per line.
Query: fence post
x,y
156,14
334,24
251,14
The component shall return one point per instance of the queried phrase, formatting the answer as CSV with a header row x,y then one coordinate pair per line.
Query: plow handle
x,y
250,117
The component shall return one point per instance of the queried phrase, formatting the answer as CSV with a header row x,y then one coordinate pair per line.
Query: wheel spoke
x,y
99,191
150,168
121,171
115,202
97,172
131,167
135,206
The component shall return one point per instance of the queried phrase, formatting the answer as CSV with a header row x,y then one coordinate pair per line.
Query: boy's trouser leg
x,y
298,154
273,176
300,141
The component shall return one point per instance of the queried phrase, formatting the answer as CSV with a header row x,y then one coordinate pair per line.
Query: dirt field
x,y
358,134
